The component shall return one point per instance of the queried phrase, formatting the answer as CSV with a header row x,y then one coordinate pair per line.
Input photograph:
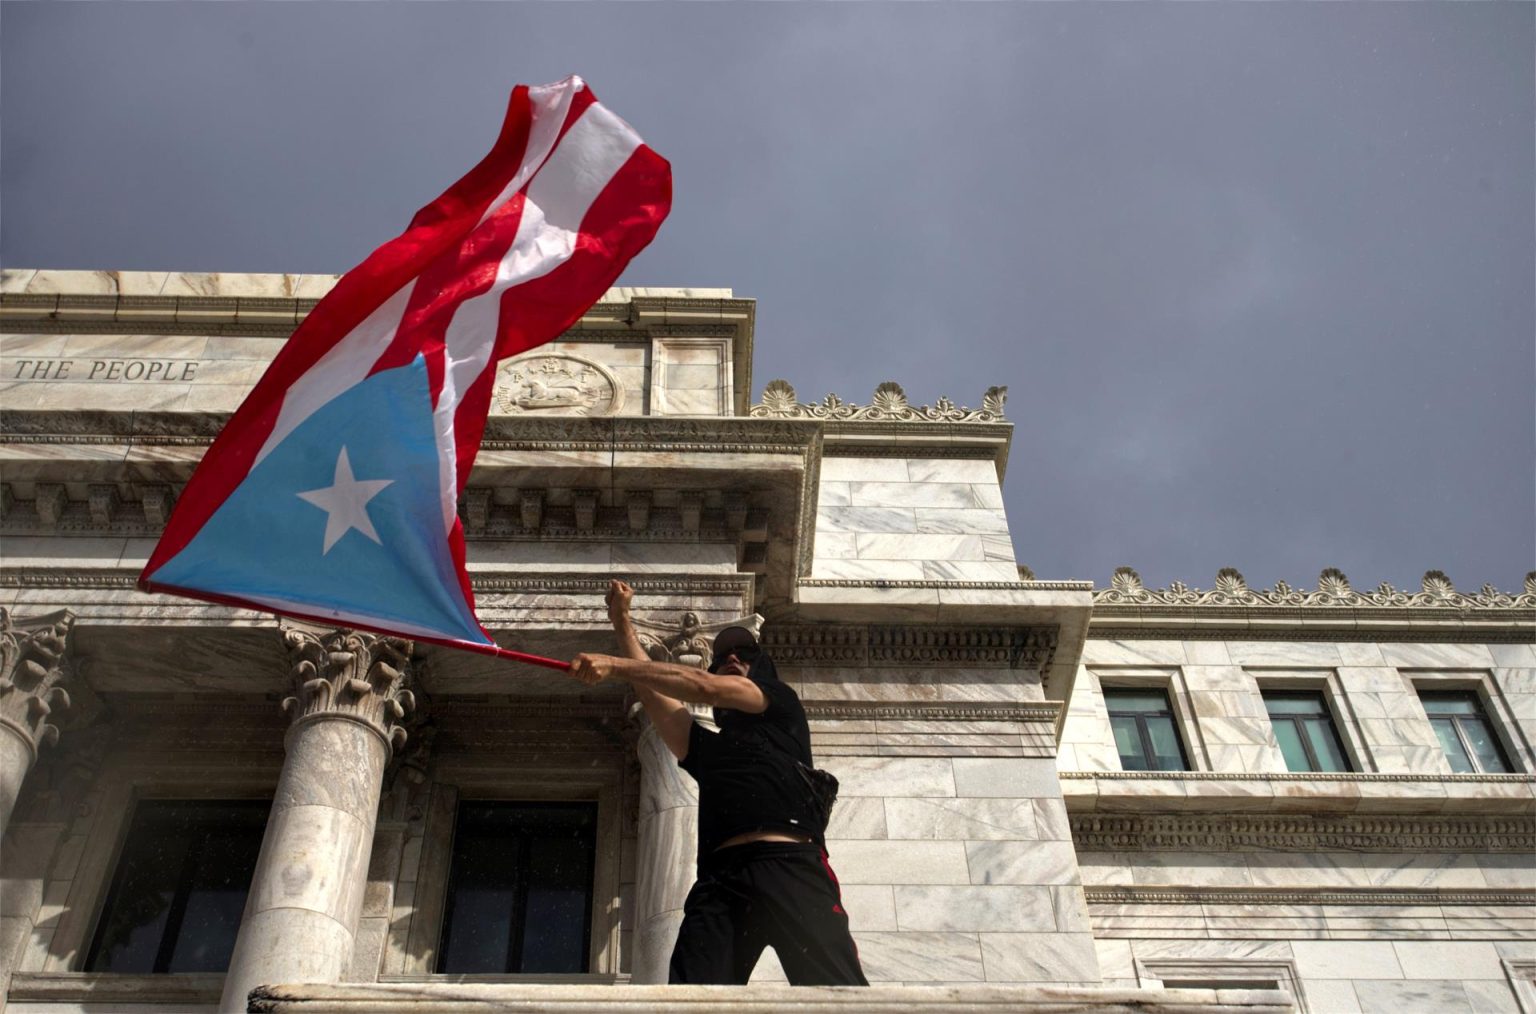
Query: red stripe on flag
x,y
458,276
621,222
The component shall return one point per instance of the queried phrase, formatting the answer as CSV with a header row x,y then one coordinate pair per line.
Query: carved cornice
x,y
910,645
650,584
1041,712
889,404
1333,612
1504,629
708,435
1397,897
32,671
1240,832
277,316
1333,592
735,586
351,675
850,582
906,449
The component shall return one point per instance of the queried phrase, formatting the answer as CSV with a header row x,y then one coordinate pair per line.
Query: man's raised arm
x,y
667,714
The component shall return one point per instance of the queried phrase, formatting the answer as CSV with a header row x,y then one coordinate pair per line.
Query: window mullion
x,y
1466,745
1313,764
178,908
1148,751
519,903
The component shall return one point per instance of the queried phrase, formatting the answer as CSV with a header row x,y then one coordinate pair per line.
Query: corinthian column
x,y
31,671
307,894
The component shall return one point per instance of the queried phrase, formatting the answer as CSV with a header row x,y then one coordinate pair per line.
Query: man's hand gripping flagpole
x,y
331,495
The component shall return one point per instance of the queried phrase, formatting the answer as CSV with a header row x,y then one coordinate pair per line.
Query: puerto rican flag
x,y
332,492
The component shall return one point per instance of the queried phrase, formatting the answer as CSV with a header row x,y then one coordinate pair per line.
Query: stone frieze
x,y
910,645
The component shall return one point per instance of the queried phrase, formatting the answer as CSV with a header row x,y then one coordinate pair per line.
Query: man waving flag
x,y
331,493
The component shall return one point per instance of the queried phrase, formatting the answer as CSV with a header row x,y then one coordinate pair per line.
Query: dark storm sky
x,y
1259,277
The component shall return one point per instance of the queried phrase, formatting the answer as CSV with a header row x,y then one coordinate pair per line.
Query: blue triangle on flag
x,y
267,543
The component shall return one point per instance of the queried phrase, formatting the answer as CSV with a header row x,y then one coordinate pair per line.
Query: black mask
x,y
762,669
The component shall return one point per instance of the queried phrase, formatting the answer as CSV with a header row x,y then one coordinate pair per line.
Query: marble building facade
x,y
1052,792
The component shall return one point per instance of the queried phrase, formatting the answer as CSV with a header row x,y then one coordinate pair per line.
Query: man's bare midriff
x,y
751,836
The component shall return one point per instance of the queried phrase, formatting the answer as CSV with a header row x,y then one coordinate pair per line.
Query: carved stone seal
x,y
555,384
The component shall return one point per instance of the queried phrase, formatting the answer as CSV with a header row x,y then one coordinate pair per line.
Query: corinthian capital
x,y
686,641
352,675
32,669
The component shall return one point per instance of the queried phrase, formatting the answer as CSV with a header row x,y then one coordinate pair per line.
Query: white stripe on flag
x,y
339,370
589,155
550,105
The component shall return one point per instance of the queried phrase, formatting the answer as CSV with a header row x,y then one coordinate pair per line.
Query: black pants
x,y
778,894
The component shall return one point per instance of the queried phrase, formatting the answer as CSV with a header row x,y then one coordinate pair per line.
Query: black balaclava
x,y
762,669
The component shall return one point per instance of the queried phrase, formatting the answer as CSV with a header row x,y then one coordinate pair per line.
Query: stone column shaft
x,y
668,840
307,893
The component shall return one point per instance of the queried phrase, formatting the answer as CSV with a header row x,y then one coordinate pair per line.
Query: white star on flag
x,y
345,502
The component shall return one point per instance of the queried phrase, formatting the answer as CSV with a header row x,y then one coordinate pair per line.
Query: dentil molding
x,y
1239,832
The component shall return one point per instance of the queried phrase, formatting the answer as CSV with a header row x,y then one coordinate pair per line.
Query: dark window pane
x,y
520,889
1295,704
1485,749
1325,744
1464,732
1128,743
1121,700
1445,729
179,889
1291,745
1304,728
1450,703
1145,733
1166,750
220,878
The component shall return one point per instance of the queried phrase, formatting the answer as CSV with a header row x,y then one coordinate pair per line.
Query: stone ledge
x,y
116,991
1365,793
435,998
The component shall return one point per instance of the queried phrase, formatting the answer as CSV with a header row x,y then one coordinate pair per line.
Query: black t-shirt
x,y
746,771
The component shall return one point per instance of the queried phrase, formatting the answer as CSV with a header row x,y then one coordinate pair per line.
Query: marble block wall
x,y
1342,976
912,519
958,869
950,835
1445,927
